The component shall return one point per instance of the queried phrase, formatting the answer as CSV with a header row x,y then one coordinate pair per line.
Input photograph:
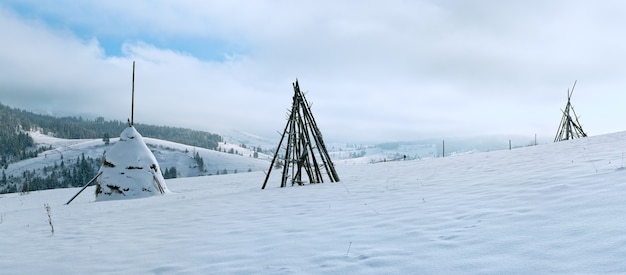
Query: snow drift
x,y
550,209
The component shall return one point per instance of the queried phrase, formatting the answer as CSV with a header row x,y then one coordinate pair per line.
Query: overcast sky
x,y
373,70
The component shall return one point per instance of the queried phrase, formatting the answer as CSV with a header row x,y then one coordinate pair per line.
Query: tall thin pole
x,y
132,104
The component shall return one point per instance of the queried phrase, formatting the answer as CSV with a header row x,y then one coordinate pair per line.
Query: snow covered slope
x,y
168,154
550,209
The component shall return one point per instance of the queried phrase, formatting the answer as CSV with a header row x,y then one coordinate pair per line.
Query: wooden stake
x,y
132,104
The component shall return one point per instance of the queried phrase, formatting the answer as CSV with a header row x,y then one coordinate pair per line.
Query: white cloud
x,y
379,70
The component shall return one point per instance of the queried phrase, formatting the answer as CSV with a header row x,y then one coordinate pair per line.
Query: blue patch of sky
x,y
32,13
202,48
206,49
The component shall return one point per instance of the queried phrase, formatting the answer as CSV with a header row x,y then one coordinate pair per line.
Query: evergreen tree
x,y
106,139
199,161
172,173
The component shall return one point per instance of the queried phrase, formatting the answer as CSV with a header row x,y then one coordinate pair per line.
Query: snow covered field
x,y
557,208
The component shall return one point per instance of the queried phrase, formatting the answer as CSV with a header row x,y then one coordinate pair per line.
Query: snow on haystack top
x,y
129,170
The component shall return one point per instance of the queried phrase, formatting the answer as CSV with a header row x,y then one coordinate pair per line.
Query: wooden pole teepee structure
x,y
305,148
570,127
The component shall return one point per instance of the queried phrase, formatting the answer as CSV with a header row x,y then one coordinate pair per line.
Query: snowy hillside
x,y
549,209
381,153
168,154
241,137
347,152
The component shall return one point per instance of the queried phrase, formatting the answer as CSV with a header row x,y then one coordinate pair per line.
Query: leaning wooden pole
x,y
315,175
267,176
288,151
317,136
84,187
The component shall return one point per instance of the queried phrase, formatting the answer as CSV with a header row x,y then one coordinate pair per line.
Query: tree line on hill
x,y
16,144
63,174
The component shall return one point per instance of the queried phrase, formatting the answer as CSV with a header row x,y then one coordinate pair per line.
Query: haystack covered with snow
x,y
129,170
